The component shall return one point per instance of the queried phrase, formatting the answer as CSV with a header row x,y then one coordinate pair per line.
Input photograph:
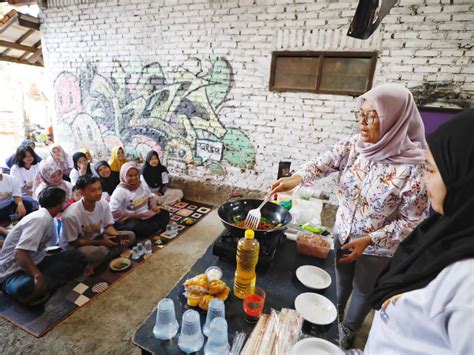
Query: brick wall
x,y
190,77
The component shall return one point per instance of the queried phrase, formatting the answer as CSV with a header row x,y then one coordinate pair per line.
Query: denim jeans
x,y
57,269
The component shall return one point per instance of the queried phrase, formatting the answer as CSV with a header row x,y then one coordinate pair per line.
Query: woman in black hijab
x,y
109,179
81,167
425,296
156,177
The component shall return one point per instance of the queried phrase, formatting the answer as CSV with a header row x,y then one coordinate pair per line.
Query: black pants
x,y
11,209
148,227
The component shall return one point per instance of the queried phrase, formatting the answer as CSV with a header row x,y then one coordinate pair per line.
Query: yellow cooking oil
x,y
247,258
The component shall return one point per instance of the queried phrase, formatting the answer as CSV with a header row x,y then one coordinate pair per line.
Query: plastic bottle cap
x,y
249,234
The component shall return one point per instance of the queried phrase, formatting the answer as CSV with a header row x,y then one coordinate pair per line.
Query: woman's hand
x,y
286,184
358,246
21,210
83,169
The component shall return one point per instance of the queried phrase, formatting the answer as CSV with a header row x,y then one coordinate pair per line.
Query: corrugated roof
x,y
20,39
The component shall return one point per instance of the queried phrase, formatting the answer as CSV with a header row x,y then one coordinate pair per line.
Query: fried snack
x,y
223,294
197,284
216,286
204,302
193,299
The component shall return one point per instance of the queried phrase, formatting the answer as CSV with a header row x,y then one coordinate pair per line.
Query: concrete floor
x,y
107,324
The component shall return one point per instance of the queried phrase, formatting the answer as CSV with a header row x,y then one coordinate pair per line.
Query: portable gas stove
x,y
225,247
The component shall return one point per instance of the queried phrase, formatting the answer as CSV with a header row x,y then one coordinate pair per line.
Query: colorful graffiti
x,y
176,114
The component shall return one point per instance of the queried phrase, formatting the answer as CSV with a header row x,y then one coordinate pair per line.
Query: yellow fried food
x,y
204,302
223,294
197,284
216,286
193,299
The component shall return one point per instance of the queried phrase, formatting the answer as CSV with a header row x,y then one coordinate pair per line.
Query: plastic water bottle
x,y
247,257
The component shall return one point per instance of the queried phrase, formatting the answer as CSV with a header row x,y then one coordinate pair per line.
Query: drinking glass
x,y
14,219
148,249
217,343
190,339
253,303
216,309
166,325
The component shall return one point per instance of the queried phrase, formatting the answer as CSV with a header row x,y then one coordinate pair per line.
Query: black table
x,y
279,282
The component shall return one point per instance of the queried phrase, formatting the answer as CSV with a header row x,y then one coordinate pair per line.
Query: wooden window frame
x,y
321,55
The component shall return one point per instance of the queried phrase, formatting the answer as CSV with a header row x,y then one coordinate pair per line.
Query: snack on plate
x,y
313,245
204,302
193,299
216,287
197,284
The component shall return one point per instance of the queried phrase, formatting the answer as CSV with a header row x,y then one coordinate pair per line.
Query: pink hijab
x,y
401,128
46,169
123,176
63,160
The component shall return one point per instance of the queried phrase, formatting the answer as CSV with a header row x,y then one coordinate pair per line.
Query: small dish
x,y
213,273
311,346
315,308
120,264
313,277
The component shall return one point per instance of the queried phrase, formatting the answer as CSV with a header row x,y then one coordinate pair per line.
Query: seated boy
x,y
11,201
88,226
26,273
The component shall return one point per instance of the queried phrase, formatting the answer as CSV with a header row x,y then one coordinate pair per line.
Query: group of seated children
x,y
104,208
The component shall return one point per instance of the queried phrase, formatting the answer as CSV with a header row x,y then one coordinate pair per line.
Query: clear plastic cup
x,y
190,339
140,248
218,343
216,309
166,325
148,249
172,229
14,219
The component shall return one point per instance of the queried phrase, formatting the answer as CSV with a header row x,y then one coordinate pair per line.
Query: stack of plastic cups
x,y
190,339
216,309
166,325
217,343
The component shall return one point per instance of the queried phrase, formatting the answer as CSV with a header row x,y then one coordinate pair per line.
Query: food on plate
x,y
204,302
223,294
264,223
188,221
313,245
193,299
216,286
120,264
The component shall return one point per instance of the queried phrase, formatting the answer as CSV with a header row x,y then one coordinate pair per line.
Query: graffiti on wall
x,y
175,113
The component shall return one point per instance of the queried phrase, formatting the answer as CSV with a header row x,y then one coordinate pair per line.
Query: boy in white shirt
x,y
27,274
88,226
10,198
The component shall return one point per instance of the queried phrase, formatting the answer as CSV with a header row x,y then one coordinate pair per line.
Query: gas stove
x,y
225,247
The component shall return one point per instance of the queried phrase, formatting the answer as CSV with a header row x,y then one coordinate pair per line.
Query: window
x,y
340,73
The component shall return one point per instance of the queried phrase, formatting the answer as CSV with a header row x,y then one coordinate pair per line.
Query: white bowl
x,y
313,277
315,308
313,346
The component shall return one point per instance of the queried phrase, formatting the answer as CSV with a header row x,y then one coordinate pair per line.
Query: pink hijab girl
x,y
50,174
60,157
402,133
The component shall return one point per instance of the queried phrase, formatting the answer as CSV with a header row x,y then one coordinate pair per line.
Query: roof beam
x,y
16,60
13,45
19,40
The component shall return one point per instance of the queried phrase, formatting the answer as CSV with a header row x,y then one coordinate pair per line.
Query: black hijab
x,y
153,175
75,159
109,183
444,239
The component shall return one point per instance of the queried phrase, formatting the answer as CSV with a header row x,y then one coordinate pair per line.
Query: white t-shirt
x,y
164,178
74,175
437,319
43,185
32,233
26,177
130,201
80,223
9,187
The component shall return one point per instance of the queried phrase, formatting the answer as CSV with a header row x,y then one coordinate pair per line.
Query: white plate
x,y
313,346
313,277
315,308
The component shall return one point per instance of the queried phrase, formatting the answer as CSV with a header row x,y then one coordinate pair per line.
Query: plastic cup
x,y
166,325
148,249
254,303
172,229
14,219
218,343
216,309
140,248
190,339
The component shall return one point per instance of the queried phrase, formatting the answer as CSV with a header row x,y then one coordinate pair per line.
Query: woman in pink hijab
x,y
381,194
62,159
50,174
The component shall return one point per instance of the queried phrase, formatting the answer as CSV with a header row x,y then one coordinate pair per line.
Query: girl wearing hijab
x,y
109,179
135,207
382,197
156,177
50,175
59,156
117,159
425,297
26,143
81,167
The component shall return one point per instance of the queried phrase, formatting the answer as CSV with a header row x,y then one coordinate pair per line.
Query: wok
x,y
240,208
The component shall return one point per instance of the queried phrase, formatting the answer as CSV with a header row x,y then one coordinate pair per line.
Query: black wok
x,y
239,209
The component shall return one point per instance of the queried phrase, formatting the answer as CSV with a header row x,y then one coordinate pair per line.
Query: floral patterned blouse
x,y
384,201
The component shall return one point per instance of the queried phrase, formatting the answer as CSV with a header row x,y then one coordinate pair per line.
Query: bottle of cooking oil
x,y
247,258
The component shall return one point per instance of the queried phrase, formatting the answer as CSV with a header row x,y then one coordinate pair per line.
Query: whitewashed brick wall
x,y
421,41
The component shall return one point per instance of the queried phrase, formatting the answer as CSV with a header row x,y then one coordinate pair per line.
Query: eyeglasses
x,y
367,119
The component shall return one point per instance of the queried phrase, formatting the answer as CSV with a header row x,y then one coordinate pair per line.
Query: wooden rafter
x,y
13,45
18,60
19,40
